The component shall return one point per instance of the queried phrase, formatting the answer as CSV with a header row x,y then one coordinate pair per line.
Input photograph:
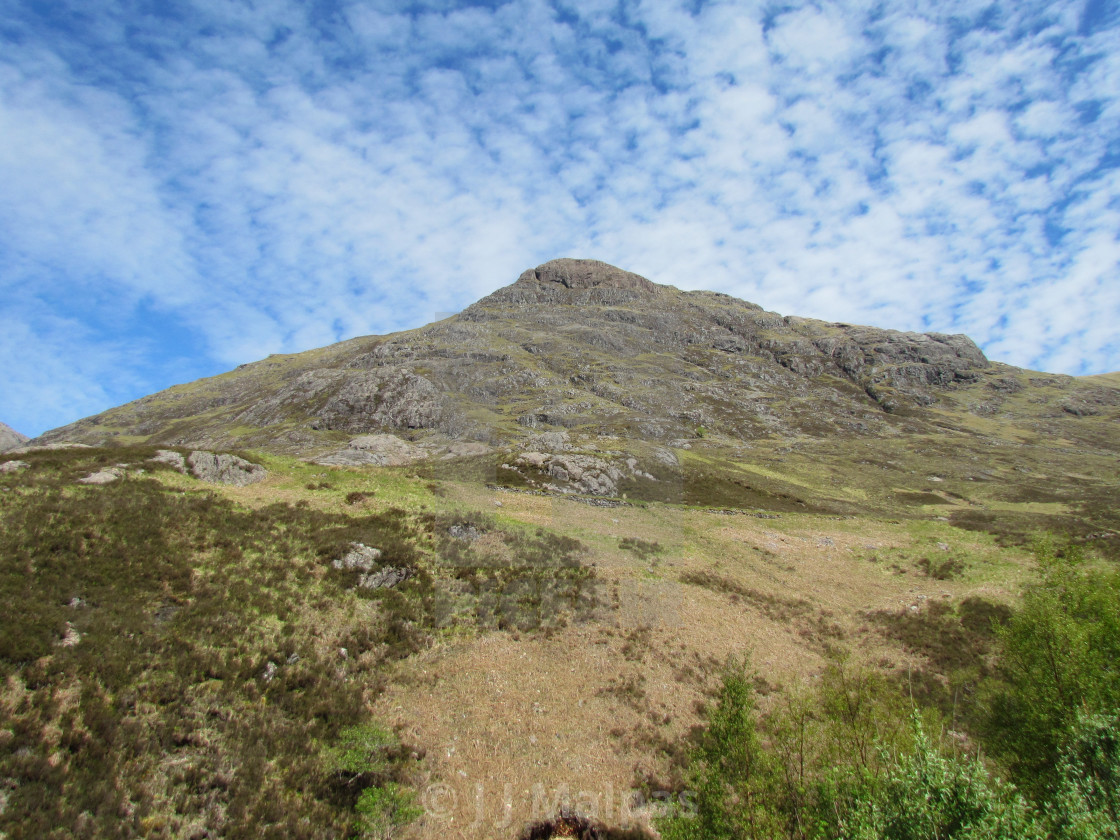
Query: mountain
x,y
582,377
583,346
463,572
10,438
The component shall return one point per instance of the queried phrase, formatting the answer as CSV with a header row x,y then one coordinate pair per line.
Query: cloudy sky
x,y
186,185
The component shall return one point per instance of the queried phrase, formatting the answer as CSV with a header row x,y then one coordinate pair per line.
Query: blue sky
x,y
187,185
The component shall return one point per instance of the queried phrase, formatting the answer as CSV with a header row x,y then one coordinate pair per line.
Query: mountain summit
x,y
586,274
588,349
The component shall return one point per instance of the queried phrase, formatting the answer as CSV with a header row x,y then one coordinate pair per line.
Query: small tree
x,y
730,777
382,810
363,758
1058,657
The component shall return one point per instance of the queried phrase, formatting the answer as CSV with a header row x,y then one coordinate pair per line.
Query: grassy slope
x,y
1112,380
501,663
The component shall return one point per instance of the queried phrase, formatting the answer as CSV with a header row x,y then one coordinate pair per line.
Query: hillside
x,y
585,347
497,564
10,438
580,377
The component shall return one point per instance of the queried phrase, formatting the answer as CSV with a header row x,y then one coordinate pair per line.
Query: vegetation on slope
x,y
175,664
183,661
841,761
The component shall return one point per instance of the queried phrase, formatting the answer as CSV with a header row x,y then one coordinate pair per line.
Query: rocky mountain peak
x,y
586,274
587,349
10,438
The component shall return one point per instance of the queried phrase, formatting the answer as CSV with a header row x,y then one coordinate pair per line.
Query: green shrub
x,y
383,810
1057,660
363,750
831,744
927,795
366,757
1086,805
730,777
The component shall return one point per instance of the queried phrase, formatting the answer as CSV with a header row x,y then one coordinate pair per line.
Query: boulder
x,y
225,469
107,476
13,466
360,557
469,533
171,458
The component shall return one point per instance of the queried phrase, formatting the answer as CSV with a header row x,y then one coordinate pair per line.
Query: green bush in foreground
x,y
1058,654
365,757
731,777
911,790
838,762
1086,805
927,795
383,810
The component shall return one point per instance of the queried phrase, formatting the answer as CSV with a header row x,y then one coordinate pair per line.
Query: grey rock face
x,y
171,458
10,438
360,557
225,469
375,450
13,466
385,578
397,399
102,477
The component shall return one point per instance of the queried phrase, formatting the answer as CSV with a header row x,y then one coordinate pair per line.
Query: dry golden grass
x,y
512,721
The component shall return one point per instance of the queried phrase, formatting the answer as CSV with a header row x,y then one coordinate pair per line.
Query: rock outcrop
x,y
173,459
360,557
375,450
106,476
225,469
586,274
363,559
10,438
569,473
391,451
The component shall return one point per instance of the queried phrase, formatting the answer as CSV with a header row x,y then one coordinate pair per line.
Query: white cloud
x,y
267,181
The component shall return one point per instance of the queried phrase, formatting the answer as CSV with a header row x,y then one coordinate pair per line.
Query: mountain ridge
x,y
10,438
587,347
616,312
612,361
